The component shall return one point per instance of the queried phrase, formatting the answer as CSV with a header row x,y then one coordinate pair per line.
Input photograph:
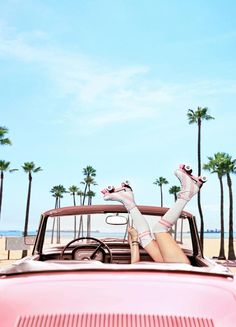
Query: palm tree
x,y
161,181
89,172
81,195
4,140
230,167
88,181
90,195
73,191
57,192
197,117
175,190
4,166
216,165
29,168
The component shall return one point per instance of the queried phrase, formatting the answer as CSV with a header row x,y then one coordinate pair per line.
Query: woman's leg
x,y
170,250
125,195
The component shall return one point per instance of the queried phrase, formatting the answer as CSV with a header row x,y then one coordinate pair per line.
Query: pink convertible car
x,y
80,274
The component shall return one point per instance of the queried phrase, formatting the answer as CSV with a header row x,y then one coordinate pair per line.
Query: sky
x,y
108,84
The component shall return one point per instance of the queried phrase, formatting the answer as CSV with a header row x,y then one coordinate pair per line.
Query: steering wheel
x,y
101,245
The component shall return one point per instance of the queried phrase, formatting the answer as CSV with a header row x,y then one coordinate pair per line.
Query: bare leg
x,y
124,195
170,250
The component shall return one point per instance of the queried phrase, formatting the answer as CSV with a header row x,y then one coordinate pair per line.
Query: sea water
x,y
4,233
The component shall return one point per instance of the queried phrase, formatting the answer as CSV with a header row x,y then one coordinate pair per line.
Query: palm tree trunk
x,y
81,228
59,224
199,147
53,229
27,206
75,227
24,252
88,226
1,192
199,193
222,230
161,196
85,190
53,225
231,254
89,219
58,230
201,220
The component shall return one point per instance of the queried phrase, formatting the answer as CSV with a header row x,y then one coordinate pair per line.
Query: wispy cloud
x,y
92,86
101,94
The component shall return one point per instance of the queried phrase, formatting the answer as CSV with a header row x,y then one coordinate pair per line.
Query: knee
x,y
162,226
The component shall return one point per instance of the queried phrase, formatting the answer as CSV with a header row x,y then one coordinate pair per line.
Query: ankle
x,y
129,205
188,194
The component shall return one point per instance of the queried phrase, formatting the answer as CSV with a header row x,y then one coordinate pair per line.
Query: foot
x,y
123,194
188,169
190,185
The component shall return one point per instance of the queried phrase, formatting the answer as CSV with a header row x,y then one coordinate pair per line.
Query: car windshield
x,y
106,227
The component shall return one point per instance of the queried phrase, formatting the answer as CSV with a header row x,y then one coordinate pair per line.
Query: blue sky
x,y
108,84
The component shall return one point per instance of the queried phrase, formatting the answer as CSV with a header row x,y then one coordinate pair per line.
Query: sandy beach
x,y
211,249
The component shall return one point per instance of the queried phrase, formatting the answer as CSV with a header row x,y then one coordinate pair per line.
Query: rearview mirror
x,y
116,220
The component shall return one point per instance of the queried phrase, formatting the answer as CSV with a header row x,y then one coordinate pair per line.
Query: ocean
x,y
3,233
15,233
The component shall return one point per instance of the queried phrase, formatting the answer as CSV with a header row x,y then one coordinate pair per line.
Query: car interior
x,y
84,240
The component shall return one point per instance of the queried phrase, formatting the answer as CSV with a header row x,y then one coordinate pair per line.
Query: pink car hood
x,y
118,297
